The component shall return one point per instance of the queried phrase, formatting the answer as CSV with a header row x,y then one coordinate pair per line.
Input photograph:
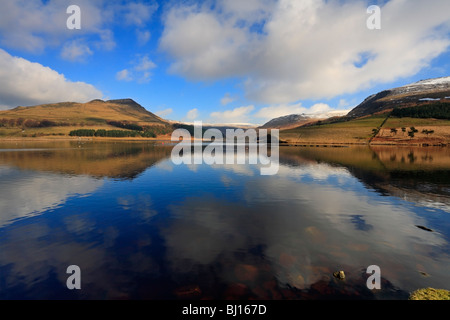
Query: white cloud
x,y
39,192
289,50
106,41
237,115
123,75
75,51
164,113
318,110
144,64
141,70
271,112
143,36
28,83
34,25
137,13
192,114
227,99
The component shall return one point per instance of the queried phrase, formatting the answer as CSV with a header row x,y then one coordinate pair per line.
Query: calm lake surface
x,y
140,227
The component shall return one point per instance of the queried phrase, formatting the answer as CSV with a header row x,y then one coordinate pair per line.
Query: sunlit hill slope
x,y
61,118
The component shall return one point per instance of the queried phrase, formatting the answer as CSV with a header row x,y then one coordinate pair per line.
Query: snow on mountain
x,y
295,120
434,82
420,92
424,85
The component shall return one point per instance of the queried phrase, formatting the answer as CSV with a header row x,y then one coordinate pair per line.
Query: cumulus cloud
x,y
76,51
138,13
143,36
123,75
192,114
34,25
237,115
144,64
203,230
319,110
289,50
28,83
227,99
106,41
38,192
20,20
141,70
276,111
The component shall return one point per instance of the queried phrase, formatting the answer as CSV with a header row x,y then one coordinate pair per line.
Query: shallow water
x,y
140,227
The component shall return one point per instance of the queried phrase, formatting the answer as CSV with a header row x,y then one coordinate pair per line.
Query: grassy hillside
x,y
357,131
406,130
376,129
62,118
94,112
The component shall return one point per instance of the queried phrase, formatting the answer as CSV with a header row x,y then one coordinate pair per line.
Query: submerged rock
x,y
430,294
339,274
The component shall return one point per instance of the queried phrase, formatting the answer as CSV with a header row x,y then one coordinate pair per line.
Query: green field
x,y
394,122
357,131
361,131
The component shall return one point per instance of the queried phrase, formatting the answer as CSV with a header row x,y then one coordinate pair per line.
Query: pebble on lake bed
x,y
430,294
339,274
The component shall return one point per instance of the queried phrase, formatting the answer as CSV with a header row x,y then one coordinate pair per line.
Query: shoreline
x,y
168,139
59,138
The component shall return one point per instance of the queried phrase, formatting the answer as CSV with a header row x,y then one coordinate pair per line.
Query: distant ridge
x,y
417,93
286,122
127,102
414,114
95,111
297,120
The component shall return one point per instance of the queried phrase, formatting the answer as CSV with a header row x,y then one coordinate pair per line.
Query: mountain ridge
x,y
96,111
417,93
297,120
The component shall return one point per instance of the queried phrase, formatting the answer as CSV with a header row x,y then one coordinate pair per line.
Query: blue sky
x,y
219,61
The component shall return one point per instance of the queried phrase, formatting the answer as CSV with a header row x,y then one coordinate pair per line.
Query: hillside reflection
x,y
99,160
141,227
419,175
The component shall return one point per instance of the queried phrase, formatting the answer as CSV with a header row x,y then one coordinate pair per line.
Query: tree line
x,y
437,110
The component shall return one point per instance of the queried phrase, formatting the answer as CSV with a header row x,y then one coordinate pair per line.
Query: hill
x,y
95,111
377,129
61,118
415,114
297,120
416,94
287,122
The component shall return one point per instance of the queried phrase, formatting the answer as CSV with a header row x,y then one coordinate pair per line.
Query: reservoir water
x,y
140,227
